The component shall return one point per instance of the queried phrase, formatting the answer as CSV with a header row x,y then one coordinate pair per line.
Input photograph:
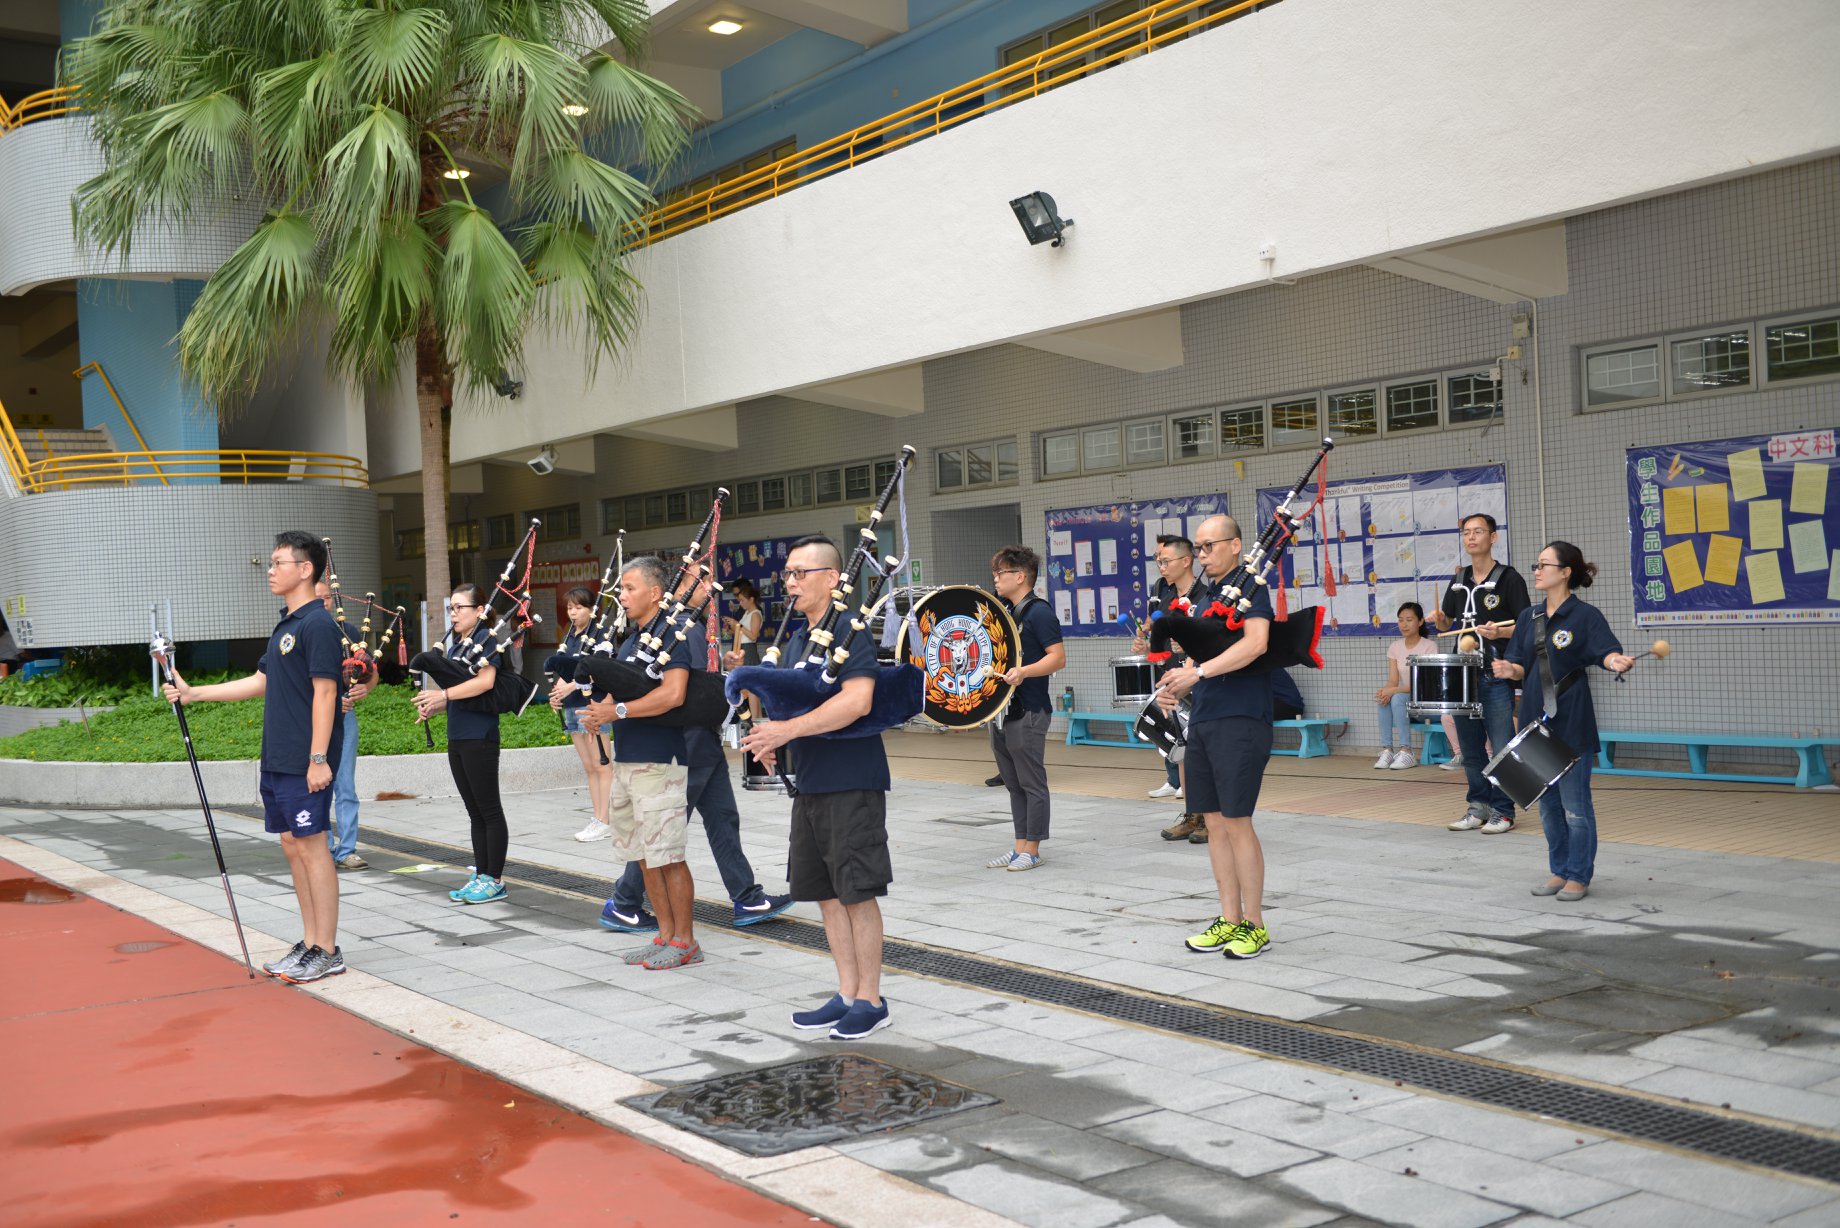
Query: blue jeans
x,y
342,836
1395,724
1570,822
1497,724
711,793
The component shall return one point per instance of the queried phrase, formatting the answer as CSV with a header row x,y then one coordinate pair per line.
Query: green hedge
x,y
141,729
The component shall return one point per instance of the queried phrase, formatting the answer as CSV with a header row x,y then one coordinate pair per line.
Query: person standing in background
x,y
342,837
1019,740
1482,595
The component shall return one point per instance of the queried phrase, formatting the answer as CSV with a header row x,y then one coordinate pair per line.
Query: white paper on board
x,y
1108,605
1108,556
1087,606
1082,558
1063,606
1396,558
1435,509
1060,542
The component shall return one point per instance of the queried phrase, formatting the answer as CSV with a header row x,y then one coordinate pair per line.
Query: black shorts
x,y
288,808
840,846
1225,765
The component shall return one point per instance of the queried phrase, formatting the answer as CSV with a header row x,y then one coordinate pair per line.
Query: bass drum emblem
x,y
969,642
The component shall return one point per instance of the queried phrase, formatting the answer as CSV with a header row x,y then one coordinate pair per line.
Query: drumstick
x,y
1467,630
1658,650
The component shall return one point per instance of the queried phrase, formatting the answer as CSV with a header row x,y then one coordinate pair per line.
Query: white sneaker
x,y
1469,822
1497,825
1166,790
1452,764
595,830
1404,759
1386,758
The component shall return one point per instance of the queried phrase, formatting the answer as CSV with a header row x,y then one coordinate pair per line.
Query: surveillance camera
x,y
509,388
544,462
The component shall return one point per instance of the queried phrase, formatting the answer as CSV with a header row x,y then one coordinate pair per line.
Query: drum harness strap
x,y
1549,694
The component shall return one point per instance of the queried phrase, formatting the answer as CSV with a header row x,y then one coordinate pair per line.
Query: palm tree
x,y
352,124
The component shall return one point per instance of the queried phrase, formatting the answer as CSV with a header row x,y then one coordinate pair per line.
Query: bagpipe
x,y
639,673
450,665
362,654
600,629
900,690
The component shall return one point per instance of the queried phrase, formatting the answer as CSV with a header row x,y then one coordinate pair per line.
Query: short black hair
x,y
1178,541
1412,606
1484,517
818,539
579,596
1017,558
305,543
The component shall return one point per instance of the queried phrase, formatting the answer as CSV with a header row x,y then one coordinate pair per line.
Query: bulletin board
x,y
548,582
761,563
1101,560
1390,540
1735,531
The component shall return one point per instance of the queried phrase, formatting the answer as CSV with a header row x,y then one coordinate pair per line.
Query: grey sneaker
x,y
670,955
1469,822
279,967
1497,825
315,965
1452,764
353,862
639,955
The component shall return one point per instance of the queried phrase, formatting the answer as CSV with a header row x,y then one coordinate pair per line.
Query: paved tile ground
x,y
1686,973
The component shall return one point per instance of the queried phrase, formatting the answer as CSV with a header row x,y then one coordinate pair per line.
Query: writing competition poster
x,y
1735,531
1101,560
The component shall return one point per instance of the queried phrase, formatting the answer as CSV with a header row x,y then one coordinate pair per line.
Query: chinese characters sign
x,y
1735,531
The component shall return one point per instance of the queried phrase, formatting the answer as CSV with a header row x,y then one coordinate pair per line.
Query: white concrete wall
x,y
1343,130
304,408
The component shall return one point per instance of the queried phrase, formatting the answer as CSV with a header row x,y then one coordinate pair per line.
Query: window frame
x,y
1587,353
1272,442
1384,406
1207,414
1447,409
1761,347
1325,420
1261,409
1751,384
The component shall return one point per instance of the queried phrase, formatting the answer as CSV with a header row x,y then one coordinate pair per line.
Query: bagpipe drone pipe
x,y
449,666
362,653
786,692
1206,633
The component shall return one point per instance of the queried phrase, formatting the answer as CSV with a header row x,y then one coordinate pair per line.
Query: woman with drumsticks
x,y
1576,637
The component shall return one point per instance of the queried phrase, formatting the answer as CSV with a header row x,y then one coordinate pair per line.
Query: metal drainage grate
x,y
1773,1147
806,1104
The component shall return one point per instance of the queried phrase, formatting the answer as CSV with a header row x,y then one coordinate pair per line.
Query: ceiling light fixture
x,y
724,26
574,110
456,172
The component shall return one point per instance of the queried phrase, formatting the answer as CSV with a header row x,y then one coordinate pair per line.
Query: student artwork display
x,y
549,581
1735,531
758,561
1384,541
1100,561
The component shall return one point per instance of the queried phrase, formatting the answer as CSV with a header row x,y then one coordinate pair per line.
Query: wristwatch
x,y
619,712
316,758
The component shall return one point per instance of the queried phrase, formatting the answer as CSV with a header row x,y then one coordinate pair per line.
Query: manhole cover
x,y
805,1104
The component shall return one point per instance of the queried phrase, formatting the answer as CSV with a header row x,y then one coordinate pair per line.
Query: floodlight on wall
x,y
543,463
1041,222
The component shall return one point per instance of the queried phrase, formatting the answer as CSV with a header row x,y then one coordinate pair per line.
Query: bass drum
x,y
968,642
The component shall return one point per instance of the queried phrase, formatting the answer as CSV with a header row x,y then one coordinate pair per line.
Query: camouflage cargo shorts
x,y
646,809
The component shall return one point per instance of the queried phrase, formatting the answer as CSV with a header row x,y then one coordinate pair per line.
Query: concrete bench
x,y
1811,764
1312,735
1437,747
1079,729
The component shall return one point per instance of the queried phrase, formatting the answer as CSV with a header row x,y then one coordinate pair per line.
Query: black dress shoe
x,y
993,782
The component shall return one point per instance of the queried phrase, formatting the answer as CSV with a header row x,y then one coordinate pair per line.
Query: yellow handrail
x,y
46,104
1135,34
239,465
16,459
108,383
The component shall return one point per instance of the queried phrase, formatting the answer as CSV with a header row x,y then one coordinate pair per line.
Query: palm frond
x,y
299,110
519,88
174,162
249,312
582,287
381,292
482,293
639,111
371,171
393,55
573,184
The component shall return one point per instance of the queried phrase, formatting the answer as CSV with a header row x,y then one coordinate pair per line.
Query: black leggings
x,y
475,766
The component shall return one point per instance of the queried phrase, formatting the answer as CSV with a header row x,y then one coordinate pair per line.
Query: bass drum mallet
x,y
161,651
1658,650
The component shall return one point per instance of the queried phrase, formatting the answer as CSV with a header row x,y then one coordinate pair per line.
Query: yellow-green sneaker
x,y
1215,937
1247,942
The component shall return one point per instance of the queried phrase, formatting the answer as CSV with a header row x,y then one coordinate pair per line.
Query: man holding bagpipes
x,y
298,679
646,806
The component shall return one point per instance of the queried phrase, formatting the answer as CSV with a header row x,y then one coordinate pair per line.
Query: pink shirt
x,y
1397,652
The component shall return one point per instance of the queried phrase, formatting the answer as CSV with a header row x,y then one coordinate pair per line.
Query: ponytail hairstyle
x,y
1572,558
579,596
488,617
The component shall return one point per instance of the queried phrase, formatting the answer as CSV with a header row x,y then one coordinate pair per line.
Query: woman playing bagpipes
x,y
567,697
472,741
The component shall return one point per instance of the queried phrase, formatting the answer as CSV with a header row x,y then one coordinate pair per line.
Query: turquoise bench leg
x,y
1311,743
1437,746
1696,760
1076,729
1811,768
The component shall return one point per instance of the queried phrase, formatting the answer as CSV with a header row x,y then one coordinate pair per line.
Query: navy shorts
x,y
287,806
840,846
1225,765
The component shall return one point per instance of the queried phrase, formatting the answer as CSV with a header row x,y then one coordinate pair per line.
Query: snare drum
x,y
1446,684
1134,678
1530,764
1167,731
756,779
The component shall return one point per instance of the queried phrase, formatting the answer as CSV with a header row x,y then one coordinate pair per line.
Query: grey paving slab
x,y
1211,1144
1743,1062
1186,1195
1771,1100
1392,1198
1504,1133
1153,1085
1306,1085
1031,1198
1491,1175
1310,1126
1646,1210
1077,1154
1720,1187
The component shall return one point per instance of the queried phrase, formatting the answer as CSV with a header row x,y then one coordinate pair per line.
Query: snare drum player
x,y
1481,594
1176,581
298,679
839,851
1019,741
1229,744
1576,636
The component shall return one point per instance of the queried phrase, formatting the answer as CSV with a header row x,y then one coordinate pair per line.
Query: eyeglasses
x,y
274,563
1205,547
455,605
1007,573
798,574
1170,562
1543,566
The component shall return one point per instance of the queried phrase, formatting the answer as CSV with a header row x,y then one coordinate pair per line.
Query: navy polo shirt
x,y
643,741
575,644
838,765
472,719
1239,693
1039,631
1497,597
304,645
1577,636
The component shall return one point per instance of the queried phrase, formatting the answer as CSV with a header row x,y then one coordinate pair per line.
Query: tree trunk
x,y
433,404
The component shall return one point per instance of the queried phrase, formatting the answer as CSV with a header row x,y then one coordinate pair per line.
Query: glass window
x,y
1294,421
677,506
856,482
1243,429
772,494
654,510
798,490
463,536
1475,396
1143,443
1353,413
1101,448
830,485
499,528
1620,377
951,464
747,498
1060,454
1191,436
1803,349
978,460
701,499
1711,363
884,474
410,544
610,521
1412,407
1008,461
634,515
